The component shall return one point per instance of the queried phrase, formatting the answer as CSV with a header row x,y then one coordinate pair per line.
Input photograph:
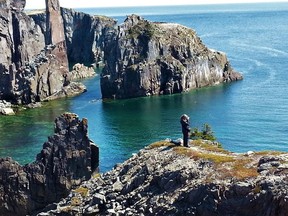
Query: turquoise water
x,y
246,115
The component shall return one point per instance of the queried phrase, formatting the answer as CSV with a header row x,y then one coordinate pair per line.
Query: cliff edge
x,y
165,179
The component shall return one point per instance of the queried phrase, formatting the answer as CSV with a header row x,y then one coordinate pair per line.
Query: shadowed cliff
x,y
67,159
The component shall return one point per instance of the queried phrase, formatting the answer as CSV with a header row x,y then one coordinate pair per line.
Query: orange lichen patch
x,y
161,144
82,191
273,153
208,147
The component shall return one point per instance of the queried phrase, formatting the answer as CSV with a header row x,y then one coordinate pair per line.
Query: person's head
x,y
185,117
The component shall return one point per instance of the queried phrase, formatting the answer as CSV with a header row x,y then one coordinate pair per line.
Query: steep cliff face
x,y
20,42
145,58
85,34
67,159
30,69
165,179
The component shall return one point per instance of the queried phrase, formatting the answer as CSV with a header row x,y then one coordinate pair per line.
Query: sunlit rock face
x,y
145,58
31,69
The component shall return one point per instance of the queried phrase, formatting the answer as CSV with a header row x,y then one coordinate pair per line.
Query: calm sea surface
x,y
246,115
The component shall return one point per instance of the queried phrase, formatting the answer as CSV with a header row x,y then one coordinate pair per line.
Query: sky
x,y
39,4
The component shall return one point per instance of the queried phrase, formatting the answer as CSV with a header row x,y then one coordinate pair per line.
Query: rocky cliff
x,y
30,69
67,159
145,58
165,179
85,34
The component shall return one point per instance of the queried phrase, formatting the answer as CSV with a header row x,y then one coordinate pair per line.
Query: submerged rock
x,y
68,158
147,58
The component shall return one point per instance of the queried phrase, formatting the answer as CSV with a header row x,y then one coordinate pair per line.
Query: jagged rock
x,y
80,71
54,23
86,36
193,181
145,58
64,162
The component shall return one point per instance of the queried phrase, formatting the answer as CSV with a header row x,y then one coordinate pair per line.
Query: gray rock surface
x,y
144,58
67,158
165,179
80,71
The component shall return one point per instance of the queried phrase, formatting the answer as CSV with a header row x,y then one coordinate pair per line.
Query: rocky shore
x,y
165,179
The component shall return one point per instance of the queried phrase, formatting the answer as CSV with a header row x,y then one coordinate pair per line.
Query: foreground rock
x,y
165,179
144,58
67,159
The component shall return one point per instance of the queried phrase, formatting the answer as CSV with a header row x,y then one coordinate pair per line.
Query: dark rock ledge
x,y
164,179
67,159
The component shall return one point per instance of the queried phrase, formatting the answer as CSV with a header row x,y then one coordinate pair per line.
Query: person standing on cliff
x,y
184,120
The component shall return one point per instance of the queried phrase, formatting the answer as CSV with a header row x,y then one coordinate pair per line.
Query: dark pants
x,y
185,139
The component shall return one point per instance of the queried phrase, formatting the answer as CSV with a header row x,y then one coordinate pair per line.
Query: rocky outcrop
x,y
165,179
20,42
145,58
30,71
67,159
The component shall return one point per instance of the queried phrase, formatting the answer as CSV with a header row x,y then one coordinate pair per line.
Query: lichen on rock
x,y
165,179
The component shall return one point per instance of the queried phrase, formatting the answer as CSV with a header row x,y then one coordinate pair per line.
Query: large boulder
x,y
145,58
68,158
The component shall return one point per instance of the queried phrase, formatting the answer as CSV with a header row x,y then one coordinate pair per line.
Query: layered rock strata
x,y
145,58
67,158
165,179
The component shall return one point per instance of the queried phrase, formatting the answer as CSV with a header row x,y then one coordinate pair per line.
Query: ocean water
x,y
245,115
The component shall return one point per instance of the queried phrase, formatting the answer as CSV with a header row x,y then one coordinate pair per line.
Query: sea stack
x,y
146,58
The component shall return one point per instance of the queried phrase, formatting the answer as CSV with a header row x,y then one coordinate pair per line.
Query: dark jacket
x,y
185,126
